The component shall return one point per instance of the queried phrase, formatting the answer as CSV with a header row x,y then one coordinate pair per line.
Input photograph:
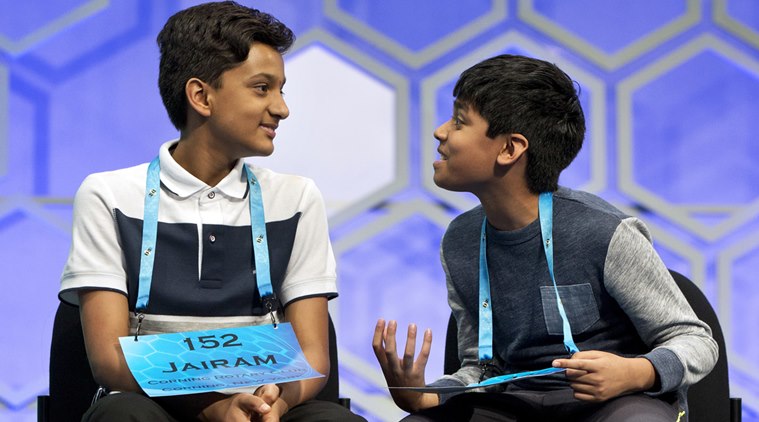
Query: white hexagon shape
x,y
51,27
593,153
347,128
735,25
417,59
622,56
722,218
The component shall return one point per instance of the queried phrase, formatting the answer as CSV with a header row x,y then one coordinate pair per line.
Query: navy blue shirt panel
x,y
226,285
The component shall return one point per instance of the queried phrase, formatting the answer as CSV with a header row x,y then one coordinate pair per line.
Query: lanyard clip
x,y
484,364
489,369
269,303
140,317
98,395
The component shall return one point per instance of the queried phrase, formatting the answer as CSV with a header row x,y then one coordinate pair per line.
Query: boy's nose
x,y
279,108
441,132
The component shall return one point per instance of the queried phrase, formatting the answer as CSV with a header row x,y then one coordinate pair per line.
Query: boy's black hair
x,y
517,94
205,40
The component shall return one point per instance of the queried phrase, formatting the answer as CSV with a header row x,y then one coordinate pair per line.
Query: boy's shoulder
x,y
117,179
574,209
472,217
593,205
465,226
275,182
590,218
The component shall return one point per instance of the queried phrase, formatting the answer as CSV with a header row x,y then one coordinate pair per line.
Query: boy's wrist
x,y
646,377
280,406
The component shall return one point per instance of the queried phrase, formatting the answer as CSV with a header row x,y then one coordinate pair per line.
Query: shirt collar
x,y
183,184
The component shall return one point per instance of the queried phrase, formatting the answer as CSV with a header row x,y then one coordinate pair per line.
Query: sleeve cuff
x,y
668,368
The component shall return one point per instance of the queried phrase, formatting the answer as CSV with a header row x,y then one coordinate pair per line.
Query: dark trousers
x,y
525,406
133,407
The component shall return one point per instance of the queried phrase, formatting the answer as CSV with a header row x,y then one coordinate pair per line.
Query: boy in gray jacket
x,y
544,278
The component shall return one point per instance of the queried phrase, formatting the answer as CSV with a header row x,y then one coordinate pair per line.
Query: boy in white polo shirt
x,y
221,80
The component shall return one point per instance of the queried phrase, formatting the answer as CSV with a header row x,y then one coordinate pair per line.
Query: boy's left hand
x,y
599,376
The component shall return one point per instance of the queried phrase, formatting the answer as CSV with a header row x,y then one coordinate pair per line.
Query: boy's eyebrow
x,y
268,76
459,105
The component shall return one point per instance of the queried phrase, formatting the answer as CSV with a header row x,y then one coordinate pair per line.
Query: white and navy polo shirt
x,y
204,273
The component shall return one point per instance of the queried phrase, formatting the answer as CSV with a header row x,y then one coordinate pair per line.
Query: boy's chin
x,y
262,152
443,184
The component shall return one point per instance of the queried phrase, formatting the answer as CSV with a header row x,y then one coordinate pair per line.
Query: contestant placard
x,y
214,360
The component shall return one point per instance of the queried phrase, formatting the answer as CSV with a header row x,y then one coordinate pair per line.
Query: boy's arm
x,y
309,319
105,318
468,337
598,376
682,349
408,372
468,373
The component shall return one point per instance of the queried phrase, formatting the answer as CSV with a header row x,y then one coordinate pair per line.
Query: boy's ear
x,y
197,96
514,146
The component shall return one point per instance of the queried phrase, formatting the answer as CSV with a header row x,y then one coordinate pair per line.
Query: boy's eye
x,y
456,120
262,88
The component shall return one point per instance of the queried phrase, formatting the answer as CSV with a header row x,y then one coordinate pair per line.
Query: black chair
x,y
72,386
708,400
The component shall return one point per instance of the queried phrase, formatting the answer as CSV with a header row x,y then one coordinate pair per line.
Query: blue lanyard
x,y
257,227
545,212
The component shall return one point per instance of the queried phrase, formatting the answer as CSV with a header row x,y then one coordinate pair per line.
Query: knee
x,y
125,407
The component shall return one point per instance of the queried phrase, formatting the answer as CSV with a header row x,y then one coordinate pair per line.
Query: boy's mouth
x,y
270,129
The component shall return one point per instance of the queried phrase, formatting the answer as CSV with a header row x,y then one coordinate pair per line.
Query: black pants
x,y
133,407
553,406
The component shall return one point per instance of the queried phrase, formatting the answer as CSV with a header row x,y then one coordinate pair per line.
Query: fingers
x,y
385,348
269,393
424,352
378,342
570,364
252,404
408,354
587,397
585,361
383,344
389,337
576,375
391,354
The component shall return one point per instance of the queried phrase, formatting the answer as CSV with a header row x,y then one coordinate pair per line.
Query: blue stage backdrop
x,y
670,89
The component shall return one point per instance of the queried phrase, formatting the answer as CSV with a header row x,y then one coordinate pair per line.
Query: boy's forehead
x,y
262,61
460,104
463,106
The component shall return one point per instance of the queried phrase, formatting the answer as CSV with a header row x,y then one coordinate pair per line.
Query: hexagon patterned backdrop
x,y
669,89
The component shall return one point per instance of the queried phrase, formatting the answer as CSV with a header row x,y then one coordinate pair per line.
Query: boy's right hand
x,y
405,372
244,406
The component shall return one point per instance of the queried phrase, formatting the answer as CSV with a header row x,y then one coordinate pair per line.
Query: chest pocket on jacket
x,y
579,305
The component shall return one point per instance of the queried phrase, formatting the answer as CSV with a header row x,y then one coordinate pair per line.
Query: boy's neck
x,y
201,161
509,210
